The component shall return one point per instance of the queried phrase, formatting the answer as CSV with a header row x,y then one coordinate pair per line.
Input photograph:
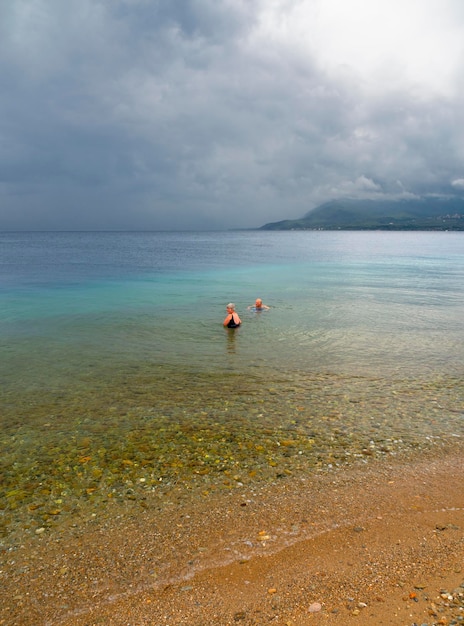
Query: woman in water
x,y
232,320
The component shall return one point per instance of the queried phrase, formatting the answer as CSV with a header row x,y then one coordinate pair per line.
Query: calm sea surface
x,y
117,375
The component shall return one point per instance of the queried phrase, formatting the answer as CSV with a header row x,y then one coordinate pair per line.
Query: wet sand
x,y
373,544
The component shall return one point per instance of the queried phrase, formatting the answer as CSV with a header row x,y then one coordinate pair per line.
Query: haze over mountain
x,y
349,214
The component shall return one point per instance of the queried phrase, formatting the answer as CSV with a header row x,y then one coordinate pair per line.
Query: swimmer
x,y
232,319
259,306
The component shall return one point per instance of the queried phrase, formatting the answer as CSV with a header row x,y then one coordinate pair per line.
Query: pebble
x,y
315,607
447,608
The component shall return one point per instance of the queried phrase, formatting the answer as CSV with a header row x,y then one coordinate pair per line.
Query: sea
x,y
118,378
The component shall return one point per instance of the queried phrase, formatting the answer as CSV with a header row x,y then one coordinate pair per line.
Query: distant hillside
x,y
421,214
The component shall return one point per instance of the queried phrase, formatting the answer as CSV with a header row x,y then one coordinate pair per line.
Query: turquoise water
x,y
340,300
117,373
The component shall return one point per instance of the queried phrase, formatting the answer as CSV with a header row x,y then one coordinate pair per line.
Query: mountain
x,y
417,214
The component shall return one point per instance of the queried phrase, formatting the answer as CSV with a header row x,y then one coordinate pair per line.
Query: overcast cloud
x,y
184,114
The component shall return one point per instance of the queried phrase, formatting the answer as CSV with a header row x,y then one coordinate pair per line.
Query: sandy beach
x,y
381,543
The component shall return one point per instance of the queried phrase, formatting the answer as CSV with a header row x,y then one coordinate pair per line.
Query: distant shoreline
x,y
420,214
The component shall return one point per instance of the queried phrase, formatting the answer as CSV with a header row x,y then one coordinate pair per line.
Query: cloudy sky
x,y
191,114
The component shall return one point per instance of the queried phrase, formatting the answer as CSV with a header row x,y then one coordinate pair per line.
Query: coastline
x,y
371,544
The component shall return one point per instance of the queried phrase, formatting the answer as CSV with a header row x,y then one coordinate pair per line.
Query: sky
x,y
218,114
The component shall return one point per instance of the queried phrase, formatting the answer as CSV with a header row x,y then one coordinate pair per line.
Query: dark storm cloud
x,y
202,114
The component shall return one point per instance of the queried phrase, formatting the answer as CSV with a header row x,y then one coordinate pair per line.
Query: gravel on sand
x,y
381,544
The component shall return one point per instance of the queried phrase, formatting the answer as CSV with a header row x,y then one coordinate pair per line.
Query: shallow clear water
x,y
116,373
